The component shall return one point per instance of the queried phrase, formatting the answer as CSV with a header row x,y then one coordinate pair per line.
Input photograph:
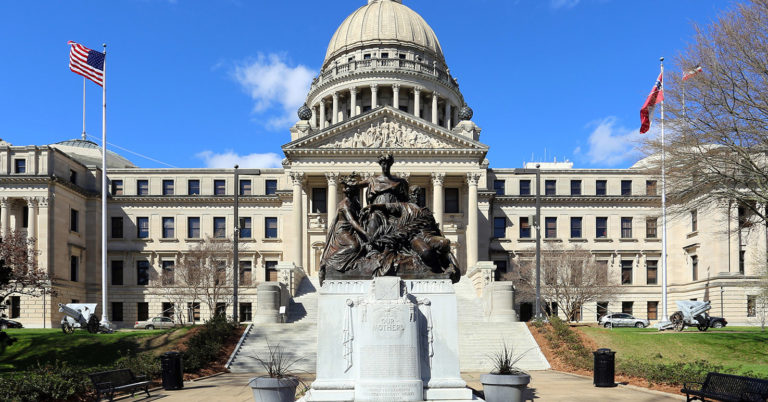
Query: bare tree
x,y
717,142
19,272
570,277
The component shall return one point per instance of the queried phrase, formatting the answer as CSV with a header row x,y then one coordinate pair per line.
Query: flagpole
x,y
84,136
663,210
104,318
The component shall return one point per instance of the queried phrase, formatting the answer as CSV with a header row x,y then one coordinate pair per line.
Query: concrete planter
x,y
266,389
504,388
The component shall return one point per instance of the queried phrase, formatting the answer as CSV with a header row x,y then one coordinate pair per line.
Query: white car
x,y
622,320
155,322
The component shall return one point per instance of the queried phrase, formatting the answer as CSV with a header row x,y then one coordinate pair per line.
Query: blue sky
x,y
200,83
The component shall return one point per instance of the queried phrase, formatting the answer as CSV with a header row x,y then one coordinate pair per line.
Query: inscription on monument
x,y
389,322
395,361
391,392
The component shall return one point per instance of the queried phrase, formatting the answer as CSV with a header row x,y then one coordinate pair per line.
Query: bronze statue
x,y
391,236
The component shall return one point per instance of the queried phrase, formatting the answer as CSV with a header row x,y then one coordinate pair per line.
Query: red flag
x,y
656,96
690,74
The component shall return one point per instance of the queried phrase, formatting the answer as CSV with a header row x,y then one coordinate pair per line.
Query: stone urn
x,y
268,389
505,387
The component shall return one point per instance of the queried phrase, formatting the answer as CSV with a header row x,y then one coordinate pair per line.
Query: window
x,y
742,254
501,269
245,312
245,228
142,273
25,217
219,187
550,228
626,187
15,306
73,177
117,187
626,228
142,187
651,225
193,187
168,277
550,187
20,166
751,306
142,309
602,271
168,228
245,187
602,309
695,268
270,187
167,310
601,187
221,309
219,227
319,200
117,273
451,200
74,220
525,187
117,227
74,265
575,187
601,227
653,310
246,273
367,56
626,307
500,228
117,311
402,56
650,188
694,220
270,228
575,228
142,227
221,273
167,187
498,186
525,228
193,228
270,268
551,309
652,273
193,310
626,272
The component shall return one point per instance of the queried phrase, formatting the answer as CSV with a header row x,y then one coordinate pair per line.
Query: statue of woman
x,y
346,236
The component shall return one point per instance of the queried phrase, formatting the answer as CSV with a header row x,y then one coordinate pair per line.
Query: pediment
x,y
385,128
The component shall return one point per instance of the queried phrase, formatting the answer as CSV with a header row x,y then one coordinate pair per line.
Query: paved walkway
x,y
545,386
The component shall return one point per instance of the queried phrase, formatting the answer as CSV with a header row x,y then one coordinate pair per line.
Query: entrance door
x,y
526,311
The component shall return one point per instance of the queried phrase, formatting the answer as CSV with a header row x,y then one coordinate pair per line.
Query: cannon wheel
x,y
703,323
678,320
66,328
93,324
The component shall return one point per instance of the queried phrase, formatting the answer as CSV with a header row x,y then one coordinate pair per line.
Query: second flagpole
x,y
104,318
664,316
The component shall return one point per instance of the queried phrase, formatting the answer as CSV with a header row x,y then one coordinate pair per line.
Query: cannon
x,y
690,313
81,315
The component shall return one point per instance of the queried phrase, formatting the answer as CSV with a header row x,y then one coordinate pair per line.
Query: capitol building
x,y
384,86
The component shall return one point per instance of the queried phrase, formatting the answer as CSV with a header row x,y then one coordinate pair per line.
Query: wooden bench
x,y
727,387
107,383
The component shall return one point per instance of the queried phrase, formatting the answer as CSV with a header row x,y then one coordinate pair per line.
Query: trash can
x,y
173,370
605,367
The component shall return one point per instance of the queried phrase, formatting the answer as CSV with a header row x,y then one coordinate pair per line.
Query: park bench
x,y
123,380
727,387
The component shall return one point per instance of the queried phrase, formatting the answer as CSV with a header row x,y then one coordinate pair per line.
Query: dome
x,y
89,153
384,22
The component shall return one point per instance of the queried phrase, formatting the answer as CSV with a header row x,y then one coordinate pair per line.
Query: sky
x,y
202,83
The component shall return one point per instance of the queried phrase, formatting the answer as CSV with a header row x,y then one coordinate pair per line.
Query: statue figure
x,y
345,234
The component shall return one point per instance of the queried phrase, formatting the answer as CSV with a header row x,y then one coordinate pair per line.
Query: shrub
x,y
672,373
567,344
204,346
53,381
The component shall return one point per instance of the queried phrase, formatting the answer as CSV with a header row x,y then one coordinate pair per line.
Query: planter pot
x,y
266,389
504,388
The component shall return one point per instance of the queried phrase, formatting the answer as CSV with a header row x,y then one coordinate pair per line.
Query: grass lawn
x,y
744,347
81,348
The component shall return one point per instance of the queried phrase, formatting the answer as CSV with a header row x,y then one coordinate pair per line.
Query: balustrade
x,y
341,69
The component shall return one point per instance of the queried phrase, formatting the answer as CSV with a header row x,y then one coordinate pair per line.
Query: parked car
x,y
622,320
717,322
155,322
6,323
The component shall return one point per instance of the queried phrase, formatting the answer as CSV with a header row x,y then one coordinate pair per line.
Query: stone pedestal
x,y
387,340
267,303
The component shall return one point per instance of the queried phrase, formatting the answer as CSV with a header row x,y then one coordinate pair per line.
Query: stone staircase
x,y
297,339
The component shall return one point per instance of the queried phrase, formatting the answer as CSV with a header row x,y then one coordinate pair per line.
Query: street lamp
x,y
236,264
537,223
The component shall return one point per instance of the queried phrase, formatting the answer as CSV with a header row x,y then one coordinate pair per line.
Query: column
x,y
353,102
335,117
5,216
434,107
374,96
332,180
438,198
32,207
447,115
322,114
396,96
313,122
417,102
471,234
297,251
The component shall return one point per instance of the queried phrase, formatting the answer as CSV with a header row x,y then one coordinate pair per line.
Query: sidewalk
x,y
545,386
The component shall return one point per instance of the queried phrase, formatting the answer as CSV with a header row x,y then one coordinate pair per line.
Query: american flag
x,y
86,62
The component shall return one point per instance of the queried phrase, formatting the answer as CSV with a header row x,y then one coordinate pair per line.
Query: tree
x,y
19,272
570,277
717,120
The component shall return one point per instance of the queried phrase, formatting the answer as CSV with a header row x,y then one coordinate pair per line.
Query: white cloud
x,y
557,4
229,159
612,145
277,88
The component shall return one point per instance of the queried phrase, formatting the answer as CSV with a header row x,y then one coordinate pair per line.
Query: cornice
x,y
380,73
586,199
21,179
195,199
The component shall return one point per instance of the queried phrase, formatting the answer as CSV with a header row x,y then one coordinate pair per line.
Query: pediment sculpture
x,y
391,236
387,134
